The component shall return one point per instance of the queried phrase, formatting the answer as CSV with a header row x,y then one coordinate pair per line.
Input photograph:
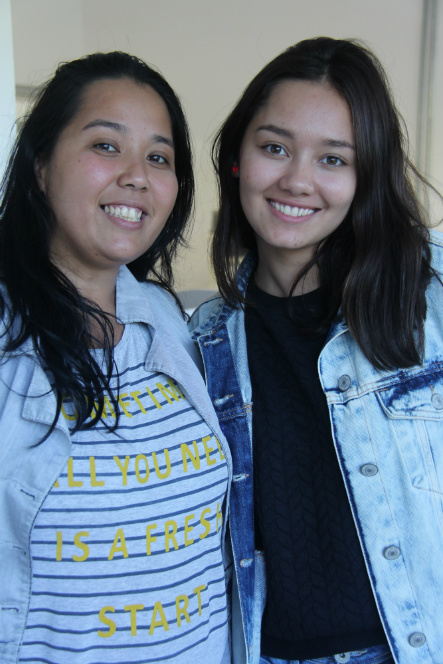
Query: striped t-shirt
x,y
126,557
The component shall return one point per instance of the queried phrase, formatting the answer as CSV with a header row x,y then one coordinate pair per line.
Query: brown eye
x,y
158,159
275,149
333,160
105,147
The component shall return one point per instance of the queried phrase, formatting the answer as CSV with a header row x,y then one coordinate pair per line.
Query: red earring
x,y
234,170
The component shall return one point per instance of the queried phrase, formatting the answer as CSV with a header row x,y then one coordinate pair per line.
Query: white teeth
x,y
291,211
123,212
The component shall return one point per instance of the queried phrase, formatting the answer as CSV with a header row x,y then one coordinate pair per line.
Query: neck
x,y
99,288
277,276
94,285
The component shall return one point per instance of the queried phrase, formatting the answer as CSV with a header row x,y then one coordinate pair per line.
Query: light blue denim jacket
x,y
387,429
28,470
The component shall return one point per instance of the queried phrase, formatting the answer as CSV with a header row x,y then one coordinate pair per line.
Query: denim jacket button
x,y
391,553
344,383
437,401
417,640
369,470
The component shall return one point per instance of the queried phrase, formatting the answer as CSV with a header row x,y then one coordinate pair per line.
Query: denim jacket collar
x,y
221,313
132,305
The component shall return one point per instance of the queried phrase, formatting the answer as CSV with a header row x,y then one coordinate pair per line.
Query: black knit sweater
x,y
319,599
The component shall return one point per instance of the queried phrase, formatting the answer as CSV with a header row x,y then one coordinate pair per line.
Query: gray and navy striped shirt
x,y
126,556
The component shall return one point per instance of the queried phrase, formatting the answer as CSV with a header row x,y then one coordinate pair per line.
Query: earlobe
x,y
39,174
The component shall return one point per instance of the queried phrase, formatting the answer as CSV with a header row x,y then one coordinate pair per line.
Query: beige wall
x,y
209,50
436,118
7,110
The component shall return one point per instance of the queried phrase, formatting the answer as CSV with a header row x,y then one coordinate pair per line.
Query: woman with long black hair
x,y
324,360
113,472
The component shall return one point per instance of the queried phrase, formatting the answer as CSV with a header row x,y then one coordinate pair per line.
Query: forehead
x,y
310,105
122,100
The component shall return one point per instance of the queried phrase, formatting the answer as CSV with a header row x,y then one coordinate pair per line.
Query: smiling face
x,y
297,171
110,181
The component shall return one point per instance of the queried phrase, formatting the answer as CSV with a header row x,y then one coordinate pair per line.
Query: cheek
x,y
91,173
342,193
77,181
251,188
253,176
166,193
349,195
172,191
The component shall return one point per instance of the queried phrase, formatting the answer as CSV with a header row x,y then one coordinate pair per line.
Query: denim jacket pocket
x,y
414,406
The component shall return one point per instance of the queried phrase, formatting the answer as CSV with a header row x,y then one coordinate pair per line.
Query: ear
x,y
235,170
40,174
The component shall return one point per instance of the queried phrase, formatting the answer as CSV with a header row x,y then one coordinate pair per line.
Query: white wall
x,y
436,151
7,94
209,50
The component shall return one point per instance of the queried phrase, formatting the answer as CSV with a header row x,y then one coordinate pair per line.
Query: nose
x,y
134,174
298,177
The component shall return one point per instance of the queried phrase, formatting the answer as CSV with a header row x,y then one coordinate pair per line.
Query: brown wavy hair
x,y
376,264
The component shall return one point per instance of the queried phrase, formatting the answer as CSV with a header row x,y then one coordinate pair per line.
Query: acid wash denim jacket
x,y
387,428
28,470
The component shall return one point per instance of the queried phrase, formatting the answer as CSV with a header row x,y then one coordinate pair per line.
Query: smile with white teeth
x,y
123,212
291,211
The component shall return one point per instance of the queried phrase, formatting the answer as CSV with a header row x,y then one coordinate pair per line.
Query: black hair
x,y
41,302
376,264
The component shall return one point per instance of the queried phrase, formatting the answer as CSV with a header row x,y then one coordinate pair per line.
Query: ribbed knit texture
x,y
319,598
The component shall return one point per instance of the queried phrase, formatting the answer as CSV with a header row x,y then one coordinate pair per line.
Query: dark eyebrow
x,y
285,133
157,138
107,124
276,130
116,126
330,142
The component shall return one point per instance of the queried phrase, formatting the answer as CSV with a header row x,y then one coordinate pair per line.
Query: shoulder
x,y
216,311
168,320
213,314
436,246
163,305
433,322
206,312
22,362
144,301
158,294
